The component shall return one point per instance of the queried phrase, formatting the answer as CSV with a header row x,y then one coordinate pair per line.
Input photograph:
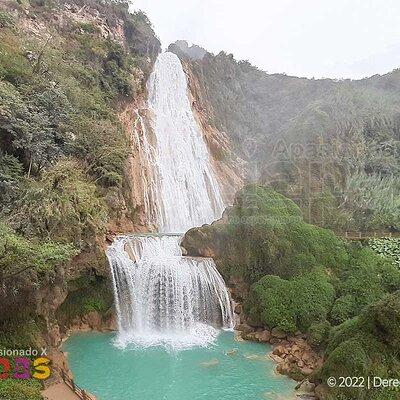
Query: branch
x,y
40,56
4,277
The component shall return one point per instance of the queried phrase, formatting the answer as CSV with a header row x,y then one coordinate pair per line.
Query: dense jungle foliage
x,y
67,69
64,75
333,146
343,295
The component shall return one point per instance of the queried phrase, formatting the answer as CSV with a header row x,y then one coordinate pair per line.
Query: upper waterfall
x,y
188,193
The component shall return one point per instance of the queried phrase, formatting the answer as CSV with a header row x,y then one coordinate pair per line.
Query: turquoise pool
x,y
227,370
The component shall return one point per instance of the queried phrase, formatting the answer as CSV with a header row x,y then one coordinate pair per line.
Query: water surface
x,y
226,370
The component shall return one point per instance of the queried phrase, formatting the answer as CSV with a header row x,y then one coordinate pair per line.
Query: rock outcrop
x,y
293,355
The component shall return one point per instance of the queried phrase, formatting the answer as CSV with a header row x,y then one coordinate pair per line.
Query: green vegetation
x,y
343,295
12,389
366,279
293,304
367,345
18,254
332,146
308,275
61,204
269,230
85,296
388,248
20,331
6,20
318,334
62,146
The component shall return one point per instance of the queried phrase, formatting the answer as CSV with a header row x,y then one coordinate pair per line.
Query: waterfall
x,y
162,297
189,193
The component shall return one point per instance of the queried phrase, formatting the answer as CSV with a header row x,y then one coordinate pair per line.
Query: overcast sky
x,y
313,38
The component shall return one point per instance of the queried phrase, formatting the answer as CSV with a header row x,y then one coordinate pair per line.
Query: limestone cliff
x,y
230,169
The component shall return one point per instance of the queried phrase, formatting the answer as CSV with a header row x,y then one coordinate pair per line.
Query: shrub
x,y
11,172
318,333
62,205
104,147
6,20
19,254
268,228
20,331
91,296
367,345
291,305
343,309
14,67
387,247
363,280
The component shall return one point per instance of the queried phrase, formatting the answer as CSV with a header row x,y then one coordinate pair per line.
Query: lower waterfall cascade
x,y
164,298
161,296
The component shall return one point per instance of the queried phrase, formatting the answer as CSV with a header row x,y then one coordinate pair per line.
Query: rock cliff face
x,y
229,168
316,141
131,216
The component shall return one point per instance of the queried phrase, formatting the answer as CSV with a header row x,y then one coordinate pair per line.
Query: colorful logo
x,y
25,368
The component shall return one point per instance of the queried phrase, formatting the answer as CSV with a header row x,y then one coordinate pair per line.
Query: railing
x,y
75,388
367,235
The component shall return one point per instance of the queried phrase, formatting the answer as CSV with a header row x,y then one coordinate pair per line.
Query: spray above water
x,y
161,297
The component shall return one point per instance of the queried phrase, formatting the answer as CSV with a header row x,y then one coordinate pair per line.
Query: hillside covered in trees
x,y
332,146
295,278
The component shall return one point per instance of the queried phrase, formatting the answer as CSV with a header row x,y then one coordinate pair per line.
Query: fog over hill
x,y
348,131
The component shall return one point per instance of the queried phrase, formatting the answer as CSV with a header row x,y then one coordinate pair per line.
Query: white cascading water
x,y
162,297
188,193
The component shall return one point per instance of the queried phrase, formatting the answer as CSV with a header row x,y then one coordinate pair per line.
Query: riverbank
x,y
55,388
59,391
293,355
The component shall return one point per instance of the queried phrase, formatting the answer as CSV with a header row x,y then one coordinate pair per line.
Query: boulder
x,y
306,370
249,336
276,358
306,386
321,391
279,351
308,357
238,309
244,328
295,348
263,336
283,368
276,333
291,358
93,319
